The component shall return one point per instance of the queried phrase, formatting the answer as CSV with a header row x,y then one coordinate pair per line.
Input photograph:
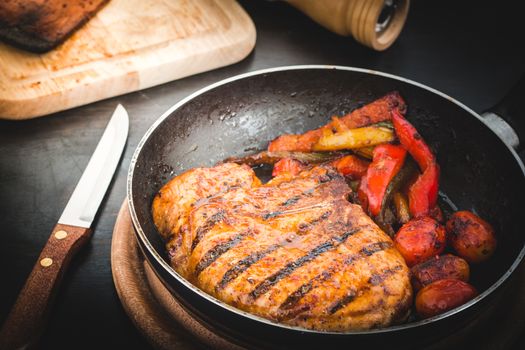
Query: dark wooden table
x,y
474,54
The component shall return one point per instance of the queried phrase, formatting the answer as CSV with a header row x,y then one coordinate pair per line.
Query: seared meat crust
x,y
294,250
40,25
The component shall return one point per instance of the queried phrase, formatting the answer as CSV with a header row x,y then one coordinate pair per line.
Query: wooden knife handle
x,y
27,318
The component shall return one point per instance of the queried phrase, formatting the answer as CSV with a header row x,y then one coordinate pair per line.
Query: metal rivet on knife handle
x,y
46,262
60,234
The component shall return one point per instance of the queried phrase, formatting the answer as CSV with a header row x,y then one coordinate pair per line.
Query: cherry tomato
x,y
437,213
420,239
443,295
437,268
472,237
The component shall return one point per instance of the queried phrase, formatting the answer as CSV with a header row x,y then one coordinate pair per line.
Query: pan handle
x,y
505,119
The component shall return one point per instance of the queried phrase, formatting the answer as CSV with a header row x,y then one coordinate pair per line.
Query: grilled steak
x,y
294,250
40,25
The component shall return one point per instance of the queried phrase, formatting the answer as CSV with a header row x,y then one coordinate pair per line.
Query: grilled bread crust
x,y
294,250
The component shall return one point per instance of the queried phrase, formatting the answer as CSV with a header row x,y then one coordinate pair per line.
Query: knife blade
x,y
85,200
26,320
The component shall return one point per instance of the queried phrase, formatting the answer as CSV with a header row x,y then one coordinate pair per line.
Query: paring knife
x,y
27,318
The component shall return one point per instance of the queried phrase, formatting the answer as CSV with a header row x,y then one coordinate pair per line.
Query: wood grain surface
x,y
129,45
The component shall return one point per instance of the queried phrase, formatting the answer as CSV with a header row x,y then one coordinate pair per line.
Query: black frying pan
x,y
240,115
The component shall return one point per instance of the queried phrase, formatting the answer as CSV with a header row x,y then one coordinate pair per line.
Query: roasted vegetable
x,y
420,239
295,143
374,112
288,166
385,124
401,205
388,160
443,295
422,195
472,237
437,214
386,221
353,138
354,185
351,166
412,141
338,125
273,157
439,268
366,152
407,173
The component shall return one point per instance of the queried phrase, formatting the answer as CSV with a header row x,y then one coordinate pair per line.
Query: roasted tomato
x,y
437,213
420,239
443,295
439,268
472,237
287,166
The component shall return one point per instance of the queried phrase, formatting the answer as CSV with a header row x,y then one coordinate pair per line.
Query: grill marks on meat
x,y
374,280
291,267
292,307
339,304
214,253
201,231
175,201
298,294
375,247
243,265
292,250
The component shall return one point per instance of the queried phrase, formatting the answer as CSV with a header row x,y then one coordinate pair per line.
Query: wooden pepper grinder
x,y
374,23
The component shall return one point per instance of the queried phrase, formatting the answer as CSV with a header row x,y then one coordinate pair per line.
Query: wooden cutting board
x,y
129,45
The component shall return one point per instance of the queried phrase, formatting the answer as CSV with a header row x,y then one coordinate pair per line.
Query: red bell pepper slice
x,y
422,195
412,141
386,163
351,166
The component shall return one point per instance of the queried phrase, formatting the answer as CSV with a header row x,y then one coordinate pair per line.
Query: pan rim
x,y
160,260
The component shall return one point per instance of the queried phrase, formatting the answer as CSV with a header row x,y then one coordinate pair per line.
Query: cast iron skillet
x,y
238,116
